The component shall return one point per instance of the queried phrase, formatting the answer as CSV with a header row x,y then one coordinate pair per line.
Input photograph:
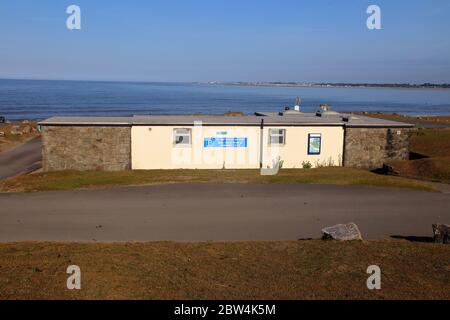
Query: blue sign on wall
x,y
225,142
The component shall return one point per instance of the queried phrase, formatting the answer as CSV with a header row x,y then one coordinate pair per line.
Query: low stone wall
x,y
371,147
86,148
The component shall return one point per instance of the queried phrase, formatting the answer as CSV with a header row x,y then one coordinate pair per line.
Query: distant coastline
x,y
332,85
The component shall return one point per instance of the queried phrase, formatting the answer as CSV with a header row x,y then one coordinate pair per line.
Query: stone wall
x,y
371,147
86,148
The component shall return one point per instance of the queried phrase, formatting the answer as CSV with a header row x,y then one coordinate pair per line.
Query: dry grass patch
x,y
9,140
434,145
433,169
232,270
431,142
399,117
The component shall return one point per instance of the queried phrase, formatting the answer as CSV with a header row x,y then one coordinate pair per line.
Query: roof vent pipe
x,y
325,111
325,107
298,101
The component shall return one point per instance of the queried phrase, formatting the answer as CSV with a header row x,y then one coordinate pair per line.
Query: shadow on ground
x,y
414,238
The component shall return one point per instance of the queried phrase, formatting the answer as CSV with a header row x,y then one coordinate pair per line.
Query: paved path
x,y
21,159
189,212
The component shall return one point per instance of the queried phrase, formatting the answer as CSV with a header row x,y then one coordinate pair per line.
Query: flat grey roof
x,y
270,119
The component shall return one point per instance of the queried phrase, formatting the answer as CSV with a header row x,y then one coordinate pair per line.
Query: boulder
x,y
342,232
16,130
441,233
26,130
2,134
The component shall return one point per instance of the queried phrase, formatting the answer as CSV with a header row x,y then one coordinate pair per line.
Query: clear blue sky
x,y
227,40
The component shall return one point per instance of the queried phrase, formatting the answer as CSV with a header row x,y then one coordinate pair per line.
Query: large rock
x,y
342,232
26,130
16,130
441,233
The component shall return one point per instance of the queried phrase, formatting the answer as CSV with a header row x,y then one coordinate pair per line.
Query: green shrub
x,y
306,165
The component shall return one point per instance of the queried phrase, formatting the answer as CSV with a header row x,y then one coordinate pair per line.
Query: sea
x,y
40,99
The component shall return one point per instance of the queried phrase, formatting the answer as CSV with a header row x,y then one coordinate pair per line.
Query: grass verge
x,y
233,270
65,180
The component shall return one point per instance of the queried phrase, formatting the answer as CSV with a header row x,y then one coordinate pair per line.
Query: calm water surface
x,y
38,99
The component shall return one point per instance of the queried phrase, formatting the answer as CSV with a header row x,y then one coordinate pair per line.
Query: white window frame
x,y
186,134
278,135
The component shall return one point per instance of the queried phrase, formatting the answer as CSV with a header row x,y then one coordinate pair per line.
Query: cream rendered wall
x,y
152,148
295,150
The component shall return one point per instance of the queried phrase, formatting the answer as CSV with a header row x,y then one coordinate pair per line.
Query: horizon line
x,y
229,81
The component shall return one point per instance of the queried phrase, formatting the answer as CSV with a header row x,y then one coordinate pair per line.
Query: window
x,y
277,136
182,137
314,143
